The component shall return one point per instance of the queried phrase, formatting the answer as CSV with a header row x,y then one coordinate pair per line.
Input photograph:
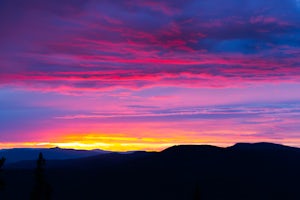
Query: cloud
x,y
91,45
173,71
223,124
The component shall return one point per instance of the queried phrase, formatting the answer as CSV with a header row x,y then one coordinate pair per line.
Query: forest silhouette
x,y
243,171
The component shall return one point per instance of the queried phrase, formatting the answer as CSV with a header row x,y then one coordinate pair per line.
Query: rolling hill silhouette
x,y
243,171
20,154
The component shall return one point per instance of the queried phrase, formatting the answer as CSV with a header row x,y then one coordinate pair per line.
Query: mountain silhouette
x,y
242,171
20,154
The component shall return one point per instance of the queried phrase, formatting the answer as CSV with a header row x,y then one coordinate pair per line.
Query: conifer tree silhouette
x,y
41,190
197,193
40,163
2,183
2,161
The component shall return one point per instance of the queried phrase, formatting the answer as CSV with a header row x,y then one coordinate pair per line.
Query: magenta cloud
x,y
118,44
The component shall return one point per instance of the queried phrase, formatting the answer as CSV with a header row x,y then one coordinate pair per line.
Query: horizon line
x,y
37,146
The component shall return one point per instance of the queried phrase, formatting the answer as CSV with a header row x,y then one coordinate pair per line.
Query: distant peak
x,y
256,144
259,146
187,148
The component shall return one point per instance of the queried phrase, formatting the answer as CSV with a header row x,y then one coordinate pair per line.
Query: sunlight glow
x,y
122,144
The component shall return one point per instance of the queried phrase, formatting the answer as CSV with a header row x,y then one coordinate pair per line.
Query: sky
x,y
144,75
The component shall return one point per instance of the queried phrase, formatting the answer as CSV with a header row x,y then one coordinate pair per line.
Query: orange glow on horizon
x,y
125,143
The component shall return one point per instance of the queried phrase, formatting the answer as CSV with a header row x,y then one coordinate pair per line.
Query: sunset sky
x,y
148,74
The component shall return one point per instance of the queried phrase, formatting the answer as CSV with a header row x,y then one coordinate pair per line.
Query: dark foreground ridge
x,y
244,171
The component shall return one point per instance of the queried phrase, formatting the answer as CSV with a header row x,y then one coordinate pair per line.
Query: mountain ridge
x,y
19,154
229,173
14,155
